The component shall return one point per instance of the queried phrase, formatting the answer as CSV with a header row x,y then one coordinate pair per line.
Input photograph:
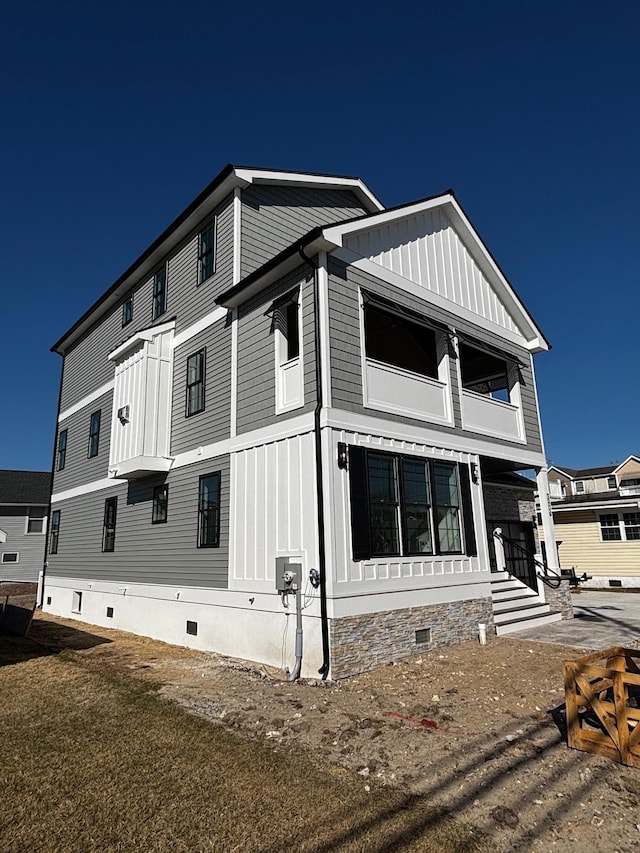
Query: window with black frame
x,y
207,252
62,450
109,525
160,292
54,531
94,434
160,509
209,511
394,339
195,383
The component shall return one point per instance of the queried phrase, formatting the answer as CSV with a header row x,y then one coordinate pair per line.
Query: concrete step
x,y
517,602
521,624
506,593
526,611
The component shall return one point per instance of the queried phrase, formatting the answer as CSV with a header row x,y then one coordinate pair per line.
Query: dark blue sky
x,y
114,118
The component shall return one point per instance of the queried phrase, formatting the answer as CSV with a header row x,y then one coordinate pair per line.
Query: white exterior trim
x,y
199,326
90,398
141,337
323,310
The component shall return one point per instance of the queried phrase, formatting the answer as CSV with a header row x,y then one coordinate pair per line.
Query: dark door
x,y
519,549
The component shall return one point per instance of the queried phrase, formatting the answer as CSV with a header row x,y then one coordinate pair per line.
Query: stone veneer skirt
x,y
359,643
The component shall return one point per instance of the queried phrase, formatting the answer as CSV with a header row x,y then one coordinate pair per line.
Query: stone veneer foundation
x,y
559,600
359,643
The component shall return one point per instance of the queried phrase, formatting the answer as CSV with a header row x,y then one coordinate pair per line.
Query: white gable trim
x,y
336,234
622,464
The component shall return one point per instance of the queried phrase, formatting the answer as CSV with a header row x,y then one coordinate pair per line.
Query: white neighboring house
x,y
24,499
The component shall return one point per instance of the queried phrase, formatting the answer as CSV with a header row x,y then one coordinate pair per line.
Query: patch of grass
x,y
95,761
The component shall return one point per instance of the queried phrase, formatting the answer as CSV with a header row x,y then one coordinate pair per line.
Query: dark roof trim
x,y
395,308
492,349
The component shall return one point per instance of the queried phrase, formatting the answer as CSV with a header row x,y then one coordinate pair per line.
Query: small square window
x,y
160,504
160,292
127,311
207,252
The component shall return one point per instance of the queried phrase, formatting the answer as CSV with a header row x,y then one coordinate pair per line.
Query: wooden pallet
x,y
602,694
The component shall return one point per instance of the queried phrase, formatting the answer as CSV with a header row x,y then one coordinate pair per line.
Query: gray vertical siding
x,y
256,353
79,468
213,424
145,552
28,546
86,364
346,368
274,217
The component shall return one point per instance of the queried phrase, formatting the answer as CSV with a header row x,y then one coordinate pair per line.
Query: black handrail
x,y
548,576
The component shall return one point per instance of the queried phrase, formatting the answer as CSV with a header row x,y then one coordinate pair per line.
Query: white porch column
x,y
498,544
547,519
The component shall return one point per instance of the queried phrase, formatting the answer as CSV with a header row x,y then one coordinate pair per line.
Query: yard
x,y
115,742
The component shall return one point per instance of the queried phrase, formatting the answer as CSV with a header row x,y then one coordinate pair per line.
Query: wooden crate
x,y
602,694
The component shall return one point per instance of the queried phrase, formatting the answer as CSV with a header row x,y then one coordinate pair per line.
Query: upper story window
x,y
160,504
207,252
195,383
408,506
62,450
54,531
94,434
11,557
209,511
109,524
127,311
484,373
612,483
397,341
579,487
287,323
160,292
37,519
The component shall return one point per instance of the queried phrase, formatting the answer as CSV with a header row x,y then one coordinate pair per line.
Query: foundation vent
x,y
423,635
76,602
109,612
48,599
192,628
615,583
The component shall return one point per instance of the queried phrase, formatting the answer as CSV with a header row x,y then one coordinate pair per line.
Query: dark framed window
x,y
209,511
62,450
195,383
484,373
94,434
160,504
409,506
207,252
109,525
35,523
292,310
127,311
54,531
160,292
398,341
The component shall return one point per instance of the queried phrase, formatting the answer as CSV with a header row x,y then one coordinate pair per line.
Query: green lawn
x,y
94,760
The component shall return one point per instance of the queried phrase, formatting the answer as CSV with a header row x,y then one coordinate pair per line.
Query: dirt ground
x,y
475,729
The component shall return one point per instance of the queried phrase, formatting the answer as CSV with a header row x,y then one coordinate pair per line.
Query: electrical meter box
x,y
288,574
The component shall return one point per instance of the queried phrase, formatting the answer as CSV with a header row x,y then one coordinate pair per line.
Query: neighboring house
x,y
24,499
597,521
275,426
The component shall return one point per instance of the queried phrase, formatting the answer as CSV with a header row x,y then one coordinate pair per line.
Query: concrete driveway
x,y
601,619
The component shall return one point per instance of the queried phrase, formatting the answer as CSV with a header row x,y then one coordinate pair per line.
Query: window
x,y
62,450
55,531
579,487
207,252
286,319
37,519
397,341
195,383
94,434
484,373
610,527
209,511
160,292
127,311
408,505
13,557
109,526
631,522
160,504
612,482
292,330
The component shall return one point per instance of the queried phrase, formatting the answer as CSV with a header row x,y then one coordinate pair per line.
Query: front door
x,y
519,549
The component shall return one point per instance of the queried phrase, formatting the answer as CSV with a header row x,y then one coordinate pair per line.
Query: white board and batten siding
x,y
425,249
388,575
273,511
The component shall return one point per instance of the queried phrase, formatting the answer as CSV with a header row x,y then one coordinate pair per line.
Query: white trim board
x,y
85,401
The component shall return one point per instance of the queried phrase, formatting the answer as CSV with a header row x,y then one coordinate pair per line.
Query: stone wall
x,y
560,600
359,643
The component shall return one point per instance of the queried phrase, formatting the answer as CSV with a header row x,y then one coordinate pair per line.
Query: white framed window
x,y
207,251
287,326
619,526
37,519
11,557
612,483
579,487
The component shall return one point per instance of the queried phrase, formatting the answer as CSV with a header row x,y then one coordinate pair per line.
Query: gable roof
x,y
586,473
212,195
25,487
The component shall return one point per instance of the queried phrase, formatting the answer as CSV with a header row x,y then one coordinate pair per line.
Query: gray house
x,y
275,428
24,500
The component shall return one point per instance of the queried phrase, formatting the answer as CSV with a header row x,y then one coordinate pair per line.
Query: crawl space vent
x,y
423,635
109,612
192,628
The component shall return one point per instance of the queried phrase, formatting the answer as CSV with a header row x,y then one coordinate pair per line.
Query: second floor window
x,y
94,434
209,511
160,292
55,531
396,340
127,311
37,519
62,449
207,252
195,383
109,526
160,504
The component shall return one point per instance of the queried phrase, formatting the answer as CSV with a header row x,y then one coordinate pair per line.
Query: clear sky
x,y
115,115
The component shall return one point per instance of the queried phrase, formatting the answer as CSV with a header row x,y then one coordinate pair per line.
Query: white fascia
x,y
303,179
631,503
452,210
140,338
